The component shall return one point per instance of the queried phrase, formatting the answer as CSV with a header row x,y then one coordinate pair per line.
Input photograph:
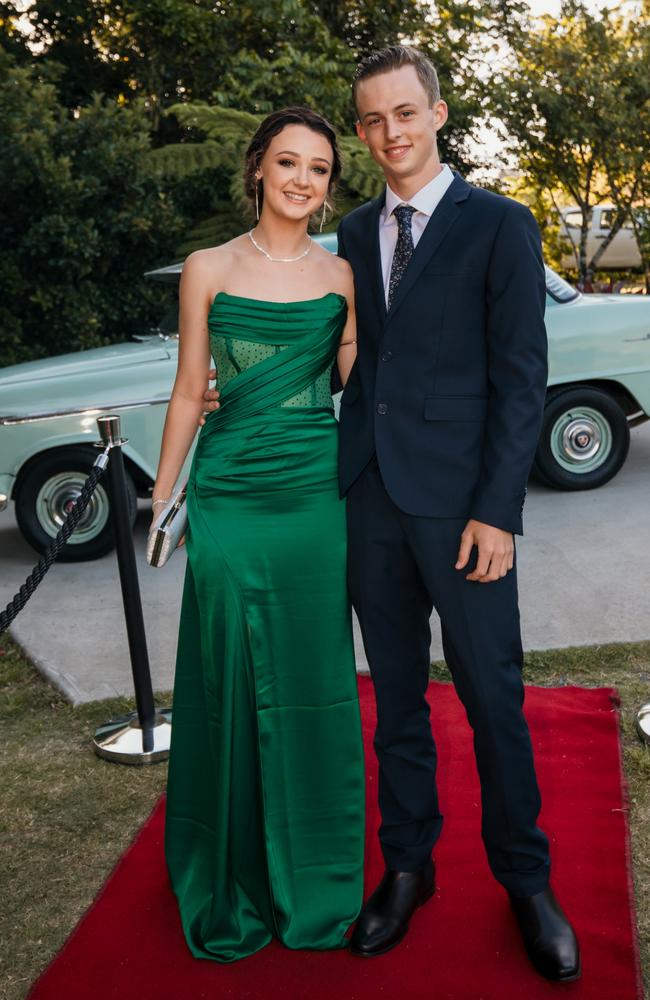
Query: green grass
x,y
67,815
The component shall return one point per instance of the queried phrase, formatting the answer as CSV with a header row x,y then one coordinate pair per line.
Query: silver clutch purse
x,y
168,529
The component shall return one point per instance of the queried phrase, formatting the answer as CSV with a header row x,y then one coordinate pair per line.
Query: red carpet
x,y
462,946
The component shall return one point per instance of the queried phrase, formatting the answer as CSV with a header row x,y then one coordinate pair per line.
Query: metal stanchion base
x,y
643,723
121,739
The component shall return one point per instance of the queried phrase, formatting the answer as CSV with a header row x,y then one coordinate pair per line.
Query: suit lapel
x,y
443,218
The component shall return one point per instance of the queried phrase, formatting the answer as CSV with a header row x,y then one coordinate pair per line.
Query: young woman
x,y
264,834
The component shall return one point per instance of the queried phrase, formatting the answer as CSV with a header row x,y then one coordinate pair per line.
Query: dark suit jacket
x,y
448,387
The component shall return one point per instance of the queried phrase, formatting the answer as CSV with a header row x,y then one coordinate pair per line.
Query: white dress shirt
x,y
424,201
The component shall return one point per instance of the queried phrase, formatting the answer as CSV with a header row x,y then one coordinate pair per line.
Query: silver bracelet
x,y
154,502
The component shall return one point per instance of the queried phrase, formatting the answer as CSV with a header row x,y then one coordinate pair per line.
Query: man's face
x,y
398,124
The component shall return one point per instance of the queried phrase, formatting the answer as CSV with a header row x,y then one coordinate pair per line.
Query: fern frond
x,y
180,159
220,124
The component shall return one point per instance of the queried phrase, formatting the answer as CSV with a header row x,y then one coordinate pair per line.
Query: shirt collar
x,y
426,199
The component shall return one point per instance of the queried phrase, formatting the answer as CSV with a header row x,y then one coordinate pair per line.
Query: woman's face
x,y
295,171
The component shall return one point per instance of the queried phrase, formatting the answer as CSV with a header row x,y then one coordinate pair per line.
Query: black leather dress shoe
x,y
384,920
550,940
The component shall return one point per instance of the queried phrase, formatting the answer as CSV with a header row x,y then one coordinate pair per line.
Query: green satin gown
x,y
265,795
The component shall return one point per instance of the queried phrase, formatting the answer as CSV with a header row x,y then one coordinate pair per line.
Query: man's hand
x,y
210,396
496,551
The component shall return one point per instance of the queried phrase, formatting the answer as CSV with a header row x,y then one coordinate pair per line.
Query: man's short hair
x,y
394,57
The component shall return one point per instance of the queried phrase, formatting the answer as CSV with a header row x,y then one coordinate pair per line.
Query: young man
x,y
439,423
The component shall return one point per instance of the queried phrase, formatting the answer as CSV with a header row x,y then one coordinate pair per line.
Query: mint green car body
x,y
48,408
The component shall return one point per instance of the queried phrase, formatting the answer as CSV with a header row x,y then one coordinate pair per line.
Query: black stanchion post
x,y
141,737
130,591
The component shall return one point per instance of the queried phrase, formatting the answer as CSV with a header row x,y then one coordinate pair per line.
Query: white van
x,y
621,253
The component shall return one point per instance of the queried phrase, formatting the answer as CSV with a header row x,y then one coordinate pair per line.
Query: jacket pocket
x,y
455,407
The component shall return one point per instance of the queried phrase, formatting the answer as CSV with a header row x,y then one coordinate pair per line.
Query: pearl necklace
x,y
279,260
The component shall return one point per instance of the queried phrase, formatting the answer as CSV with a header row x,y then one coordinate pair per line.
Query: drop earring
x,y
257,201
323,218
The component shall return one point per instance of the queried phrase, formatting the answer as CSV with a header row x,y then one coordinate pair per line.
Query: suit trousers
x,y
400,566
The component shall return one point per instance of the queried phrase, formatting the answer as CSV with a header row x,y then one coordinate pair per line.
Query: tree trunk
x,y
583,273
616,228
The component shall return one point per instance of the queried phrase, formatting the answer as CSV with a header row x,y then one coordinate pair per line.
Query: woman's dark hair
x,y
272,126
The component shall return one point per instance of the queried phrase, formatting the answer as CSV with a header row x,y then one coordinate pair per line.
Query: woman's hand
x,y
154,515
155,510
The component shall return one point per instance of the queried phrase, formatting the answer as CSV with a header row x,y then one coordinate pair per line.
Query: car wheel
x,y
584,441
45,493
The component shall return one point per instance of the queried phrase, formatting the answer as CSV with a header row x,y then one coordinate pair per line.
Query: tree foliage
x,y
575,107
365,26
81,213
252,56
128,125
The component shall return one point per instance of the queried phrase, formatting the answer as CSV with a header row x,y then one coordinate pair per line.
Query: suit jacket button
x,y
382,408
386,356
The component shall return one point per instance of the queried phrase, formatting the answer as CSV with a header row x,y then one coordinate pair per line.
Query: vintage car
x,y
599,386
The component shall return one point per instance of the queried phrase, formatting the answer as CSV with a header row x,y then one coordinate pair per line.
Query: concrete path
x,y
584,569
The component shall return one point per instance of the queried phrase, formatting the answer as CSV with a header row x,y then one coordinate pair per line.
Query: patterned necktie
x,y
403,248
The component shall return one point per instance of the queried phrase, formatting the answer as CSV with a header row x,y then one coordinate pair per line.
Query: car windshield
x,y
558,288
168,325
